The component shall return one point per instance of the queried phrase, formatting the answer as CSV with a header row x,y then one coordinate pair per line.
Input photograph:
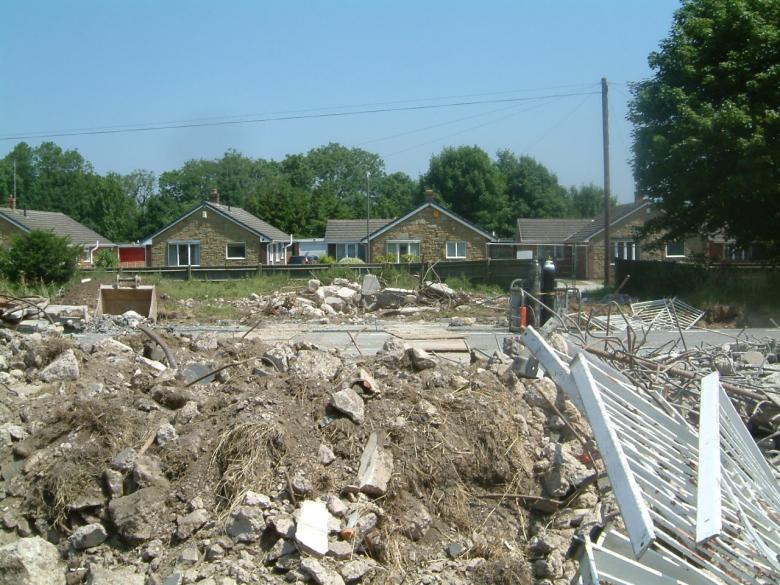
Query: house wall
x,y
213,232
624,230
433,229
8,232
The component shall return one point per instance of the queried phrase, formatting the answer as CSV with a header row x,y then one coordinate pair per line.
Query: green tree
x,y
40,256
532,189
587,200
470,183
707,124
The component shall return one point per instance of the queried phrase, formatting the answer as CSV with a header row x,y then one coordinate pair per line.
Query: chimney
x,y
12,202
429,196
214,196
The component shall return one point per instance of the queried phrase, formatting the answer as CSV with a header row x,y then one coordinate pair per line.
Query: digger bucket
x,y
116,300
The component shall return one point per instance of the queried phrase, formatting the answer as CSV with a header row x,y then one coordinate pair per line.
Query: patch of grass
x,y
462,282
203,290
336,271
396,277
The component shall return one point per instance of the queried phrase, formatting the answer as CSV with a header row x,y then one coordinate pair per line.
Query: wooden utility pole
x,y
607,197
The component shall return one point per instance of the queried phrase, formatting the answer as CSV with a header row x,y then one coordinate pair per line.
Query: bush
x,y
106,258
327,259
348,260
40,256
385,259
409,258
335,271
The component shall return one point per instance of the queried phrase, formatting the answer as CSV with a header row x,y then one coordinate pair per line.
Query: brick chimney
x,y
430,197
214,196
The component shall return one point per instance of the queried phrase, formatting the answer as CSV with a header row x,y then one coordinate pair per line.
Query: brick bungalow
x,y
346,238
14,222
577,245
430,233
213,234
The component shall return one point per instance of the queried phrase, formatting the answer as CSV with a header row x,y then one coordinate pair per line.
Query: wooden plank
x,y
709,518
440,345
633,509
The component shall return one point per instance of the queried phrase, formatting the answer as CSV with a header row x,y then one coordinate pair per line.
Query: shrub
x,y
348,260
327,259
409,258
40,256
106,258
385,259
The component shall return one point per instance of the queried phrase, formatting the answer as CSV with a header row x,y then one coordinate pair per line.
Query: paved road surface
x,y
370,337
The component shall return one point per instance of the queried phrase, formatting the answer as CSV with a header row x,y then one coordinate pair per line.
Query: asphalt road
x,y
369,337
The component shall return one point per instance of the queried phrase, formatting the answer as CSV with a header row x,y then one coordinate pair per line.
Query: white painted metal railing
x,y
703,498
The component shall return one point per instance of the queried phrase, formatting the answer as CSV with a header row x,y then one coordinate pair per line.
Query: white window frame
x,y
397,244
348,249
227,251
275,253
668,255
456,243
176,244
625,250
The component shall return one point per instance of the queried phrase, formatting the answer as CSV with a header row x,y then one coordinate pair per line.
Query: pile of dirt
x,y
291,464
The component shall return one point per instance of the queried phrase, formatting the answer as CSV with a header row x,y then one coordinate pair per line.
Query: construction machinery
x,y
127,294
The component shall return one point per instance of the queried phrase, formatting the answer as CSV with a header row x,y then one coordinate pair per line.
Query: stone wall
x,y
213,232
625,230
433,229
8,232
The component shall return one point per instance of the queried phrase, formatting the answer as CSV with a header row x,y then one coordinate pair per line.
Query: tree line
x,y
297,194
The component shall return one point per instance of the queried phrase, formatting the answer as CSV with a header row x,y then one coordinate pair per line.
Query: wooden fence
x,y
496,272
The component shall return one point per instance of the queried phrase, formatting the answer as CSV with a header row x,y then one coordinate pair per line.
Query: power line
x,y
175,126
42,134
439,139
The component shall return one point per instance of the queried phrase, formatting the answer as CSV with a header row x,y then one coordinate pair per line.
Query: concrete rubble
x,y
302,465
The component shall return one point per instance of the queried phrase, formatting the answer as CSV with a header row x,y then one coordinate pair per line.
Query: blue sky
x,y
91,64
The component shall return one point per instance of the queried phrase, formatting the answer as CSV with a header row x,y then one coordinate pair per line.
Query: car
x,y
304,259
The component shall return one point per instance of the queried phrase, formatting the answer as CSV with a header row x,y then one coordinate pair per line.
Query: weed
x,y
245,458
462,282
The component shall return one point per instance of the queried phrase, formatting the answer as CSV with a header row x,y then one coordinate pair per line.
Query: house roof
x,y
447,212
548,230
237,215
255,223
351,230
596,225
56,222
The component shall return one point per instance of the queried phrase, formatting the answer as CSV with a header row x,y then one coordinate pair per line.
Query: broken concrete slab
x,y
246,524
315,365
349,402
321,574
376,467
420,359
31,561
88,536
311,531
64,368
136,516
370,285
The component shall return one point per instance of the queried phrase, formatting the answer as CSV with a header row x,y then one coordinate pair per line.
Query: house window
x,y
625,250
235,251
346,251
184,253
735,253
554,251
402,251
276,253
456,249
675,250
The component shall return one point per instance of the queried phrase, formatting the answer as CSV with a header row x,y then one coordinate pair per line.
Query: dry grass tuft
x,y
245,458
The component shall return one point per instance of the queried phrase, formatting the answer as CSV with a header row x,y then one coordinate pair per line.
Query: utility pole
x,y
368,217
14,182
607,197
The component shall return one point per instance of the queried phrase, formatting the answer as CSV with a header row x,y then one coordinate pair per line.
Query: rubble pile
x,y
284,464
344,299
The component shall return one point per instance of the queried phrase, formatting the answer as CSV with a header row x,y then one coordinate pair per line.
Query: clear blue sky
x,y
88,64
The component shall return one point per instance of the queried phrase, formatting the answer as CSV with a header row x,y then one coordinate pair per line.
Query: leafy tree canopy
x,y
707,124
297,194
39,256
